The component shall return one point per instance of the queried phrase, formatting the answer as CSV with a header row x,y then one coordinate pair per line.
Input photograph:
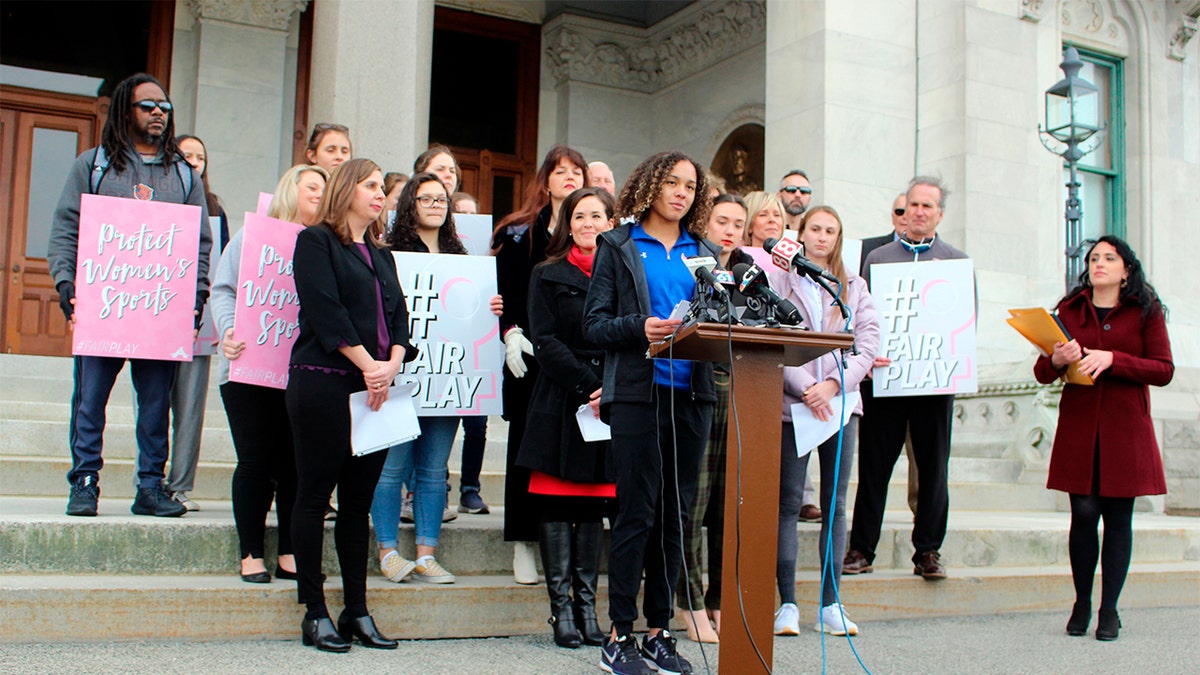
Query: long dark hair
x,y
339,194
404,236
115,139
214,202
560,242
1136,290
646,182
537,194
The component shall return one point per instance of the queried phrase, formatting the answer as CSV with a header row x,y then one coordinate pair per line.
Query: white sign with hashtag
x,y
927,327
457,371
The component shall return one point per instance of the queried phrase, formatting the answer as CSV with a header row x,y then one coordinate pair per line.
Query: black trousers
x,y
320,419
884,423
657,471
521,512
266,463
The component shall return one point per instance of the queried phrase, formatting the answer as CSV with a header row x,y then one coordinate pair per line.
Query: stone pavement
x,y
1153,641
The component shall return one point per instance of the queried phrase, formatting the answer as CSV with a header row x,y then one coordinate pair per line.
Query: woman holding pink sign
x,y
353,338
258,419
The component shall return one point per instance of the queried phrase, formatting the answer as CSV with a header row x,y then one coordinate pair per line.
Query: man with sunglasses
x,y
796,194
138,158
886,420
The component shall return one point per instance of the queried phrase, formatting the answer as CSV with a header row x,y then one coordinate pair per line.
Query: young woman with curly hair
x,y
637,278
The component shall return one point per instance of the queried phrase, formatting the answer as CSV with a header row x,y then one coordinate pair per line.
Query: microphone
x,y
787,255
702,268
752,281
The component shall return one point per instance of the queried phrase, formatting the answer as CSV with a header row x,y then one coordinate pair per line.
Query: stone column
x,y
239,90
371,71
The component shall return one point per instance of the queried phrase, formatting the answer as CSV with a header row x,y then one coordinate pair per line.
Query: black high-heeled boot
x,y
1108,625
1081,614
364,629
589,543
321,634
555,543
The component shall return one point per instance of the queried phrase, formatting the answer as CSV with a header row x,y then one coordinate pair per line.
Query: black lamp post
x,y
1072,119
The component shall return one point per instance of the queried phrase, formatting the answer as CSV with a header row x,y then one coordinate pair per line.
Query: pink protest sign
x,y
264,203
267,317
135,279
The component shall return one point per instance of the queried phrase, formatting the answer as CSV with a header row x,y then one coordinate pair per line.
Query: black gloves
x,y
66,293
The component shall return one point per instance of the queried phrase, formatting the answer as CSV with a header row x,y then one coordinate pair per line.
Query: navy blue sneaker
x,y
622,657
659,653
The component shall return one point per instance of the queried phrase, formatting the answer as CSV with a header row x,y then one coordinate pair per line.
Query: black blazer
x,y
337,300
870,245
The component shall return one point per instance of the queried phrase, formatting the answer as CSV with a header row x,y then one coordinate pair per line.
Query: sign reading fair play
x,y
135,279
458,369
267,314
927,327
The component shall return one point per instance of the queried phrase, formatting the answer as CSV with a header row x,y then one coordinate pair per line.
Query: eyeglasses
x,y
898,212
434,202
793,189
148,106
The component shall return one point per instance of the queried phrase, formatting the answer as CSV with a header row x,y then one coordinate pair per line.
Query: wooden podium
x,y
751,479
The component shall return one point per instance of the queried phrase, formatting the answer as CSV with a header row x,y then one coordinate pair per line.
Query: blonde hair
x,y
755,202
285,205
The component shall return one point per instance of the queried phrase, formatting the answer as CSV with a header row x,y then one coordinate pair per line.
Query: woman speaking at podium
x,y
659,410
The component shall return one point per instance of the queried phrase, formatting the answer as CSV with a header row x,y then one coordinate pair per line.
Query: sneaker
x,y
154,501
622,657
395,567
856,563
406,508
832,619
449,513
659,653
787,619
471,502
182,498
929,566
85,494
432,573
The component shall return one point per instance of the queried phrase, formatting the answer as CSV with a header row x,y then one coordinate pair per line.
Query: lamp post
x,y
1072,119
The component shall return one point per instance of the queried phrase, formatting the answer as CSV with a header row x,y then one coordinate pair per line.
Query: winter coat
x,y
1110,419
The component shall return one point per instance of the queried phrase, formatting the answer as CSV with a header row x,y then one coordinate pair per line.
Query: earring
x,y
1124,282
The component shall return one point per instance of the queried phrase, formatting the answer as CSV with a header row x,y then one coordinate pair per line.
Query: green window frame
x,y
1102,171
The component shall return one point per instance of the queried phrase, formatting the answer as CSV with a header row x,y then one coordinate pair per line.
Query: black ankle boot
x,y
589,543
1108,625
1081,614
555,543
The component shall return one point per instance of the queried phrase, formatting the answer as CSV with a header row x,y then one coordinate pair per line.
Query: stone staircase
x,y
113,577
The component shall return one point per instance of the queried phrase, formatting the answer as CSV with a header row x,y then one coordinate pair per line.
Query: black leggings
x,y
266,466
1084,545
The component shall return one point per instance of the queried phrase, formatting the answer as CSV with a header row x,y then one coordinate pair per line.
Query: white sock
x,y
424,560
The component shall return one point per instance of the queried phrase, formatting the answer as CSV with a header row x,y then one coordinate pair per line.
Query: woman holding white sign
x,y
423,224
812,390
1105,453
353,337
569,476
258,418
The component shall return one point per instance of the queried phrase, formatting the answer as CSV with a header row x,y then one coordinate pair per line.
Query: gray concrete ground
x,y
1161,640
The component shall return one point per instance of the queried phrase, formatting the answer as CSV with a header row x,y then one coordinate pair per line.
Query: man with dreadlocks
x,y
138,158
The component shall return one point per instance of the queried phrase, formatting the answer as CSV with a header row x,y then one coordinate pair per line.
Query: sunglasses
x,y
793,189
898,212
148,106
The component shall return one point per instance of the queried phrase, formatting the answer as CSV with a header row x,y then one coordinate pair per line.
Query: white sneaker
x,y
787,619
832,619
432,573
395,566
524,563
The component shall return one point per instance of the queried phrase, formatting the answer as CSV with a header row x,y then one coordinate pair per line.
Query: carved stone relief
x,y
1098,21
1031,10
274,14
1184,28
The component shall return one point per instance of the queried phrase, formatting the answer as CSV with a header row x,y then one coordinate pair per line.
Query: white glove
x,y
514,344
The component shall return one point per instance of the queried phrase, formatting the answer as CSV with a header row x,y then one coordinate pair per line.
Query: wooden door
x,y
42,133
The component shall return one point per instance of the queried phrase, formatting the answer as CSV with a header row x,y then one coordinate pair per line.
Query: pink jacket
x,y
866,336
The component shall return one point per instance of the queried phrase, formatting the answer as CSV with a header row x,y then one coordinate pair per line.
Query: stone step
x,y
47,608
41,540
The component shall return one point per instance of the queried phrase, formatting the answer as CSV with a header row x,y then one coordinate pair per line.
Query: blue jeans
x,y
425,459
94,380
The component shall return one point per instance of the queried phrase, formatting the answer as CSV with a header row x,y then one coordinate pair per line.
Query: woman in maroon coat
x,y
1105,453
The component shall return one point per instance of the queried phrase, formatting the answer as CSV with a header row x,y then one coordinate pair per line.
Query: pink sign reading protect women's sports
x,y
135,279
267,317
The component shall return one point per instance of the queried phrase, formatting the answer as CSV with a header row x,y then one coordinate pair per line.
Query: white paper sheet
x,y
590,426
810,431
394,423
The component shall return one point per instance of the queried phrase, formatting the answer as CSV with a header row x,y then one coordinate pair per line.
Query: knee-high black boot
x,y
589,542
555,543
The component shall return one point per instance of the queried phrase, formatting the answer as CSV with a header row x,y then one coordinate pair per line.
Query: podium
x,y
751,479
